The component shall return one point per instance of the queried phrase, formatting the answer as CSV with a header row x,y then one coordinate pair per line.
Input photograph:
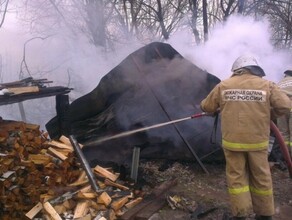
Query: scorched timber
x,y
43,92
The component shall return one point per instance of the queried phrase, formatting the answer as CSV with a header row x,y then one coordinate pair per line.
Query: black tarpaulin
x,y
154,84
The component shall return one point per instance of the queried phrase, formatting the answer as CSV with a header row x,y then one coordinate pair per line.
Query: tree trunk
x,y
96,22
194,10
205,20
240,6
164,32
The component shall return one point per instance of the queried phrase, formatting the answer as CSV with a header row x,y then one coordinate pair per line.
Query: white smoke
x,y
227,41
61,58
74,63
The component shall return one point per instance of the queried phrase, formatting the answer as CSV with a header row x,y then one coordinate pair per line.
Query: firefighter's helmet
x,y
288,72
243,61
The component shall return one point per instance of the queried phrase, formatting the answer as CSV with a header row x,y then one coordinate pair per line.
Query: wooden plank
x,y
21,90
130,215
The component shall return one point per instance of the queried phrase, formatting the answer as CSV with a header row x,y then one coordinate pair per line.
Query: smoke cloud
x,y
73,62
238,36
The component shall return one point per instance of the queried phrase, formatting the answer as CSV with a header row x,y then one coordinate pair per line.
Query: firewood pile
x,y
42,179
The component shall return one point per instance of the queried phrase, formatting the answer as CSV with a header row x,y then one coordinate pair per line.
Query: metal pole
x,y
22,112
166,113
135,163
84,163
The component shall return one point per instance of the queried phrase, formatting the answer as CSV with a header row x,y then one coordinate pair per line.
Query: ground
x,y
198,195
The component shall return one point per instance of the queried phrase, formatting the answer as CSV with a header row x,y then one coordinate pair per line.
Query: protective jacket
x,y
247,103
286,85
284,123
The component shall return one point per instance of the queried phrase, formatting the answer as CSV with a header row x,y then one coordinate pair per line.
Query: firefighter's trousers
x,y
249,182
284,124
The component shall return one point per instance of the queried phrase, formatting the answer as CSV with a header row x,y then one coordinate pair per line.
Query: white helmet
x,y
288,71
243,61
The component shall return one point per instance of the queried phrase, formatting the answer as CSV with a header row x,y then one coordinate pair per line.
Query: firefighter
x,y
246,103
284,122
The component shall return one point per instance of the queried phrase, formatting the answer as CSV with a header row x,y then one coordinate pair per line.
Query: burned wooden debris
x,y
28,88
43,179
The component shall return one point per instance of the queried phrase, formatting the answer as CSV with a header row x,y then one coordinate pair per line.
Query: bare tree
x,y
228,7
240,6
106,21
279,13
164,13
194,8
3,10
205,19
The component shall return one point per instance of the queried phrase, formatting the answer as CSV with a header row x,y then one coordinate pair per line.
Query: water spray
x,y
127,133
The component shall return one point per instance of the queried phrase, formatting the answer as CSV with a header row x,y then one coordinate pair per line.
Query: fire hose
x,y
283,147
127,133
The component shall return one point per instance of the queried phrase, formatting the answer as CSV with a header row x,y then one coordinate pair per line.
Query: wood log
x,y
133,203
33,127
60,208
60,145
118,204
57,153
82,179
69,204
40,159
104,198
66,141
51,211
119,186
98,207
105,173
101,184
88,195
81,209
112,215
34,211
86,217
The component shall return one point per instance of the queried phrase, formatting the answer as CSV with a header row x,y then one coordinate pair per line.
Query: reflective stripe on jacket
x,y
246,102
